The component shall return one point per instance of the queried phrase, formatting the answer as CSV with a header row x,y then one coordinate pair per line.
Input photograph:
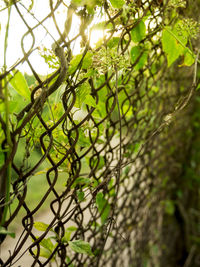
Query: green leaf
x,y
90,5
74,63
40,226
72,228
89,100
103,206
45,253
80,195
68,233
117,3
68,261
81,93
113,42
19,83
139,32
188,59
81,181
78,2
170,47
81,246
180,34
30,79
14,106
83,140
86,62
101,163
102,25
3,231
198,87
173,45
137,53
47,243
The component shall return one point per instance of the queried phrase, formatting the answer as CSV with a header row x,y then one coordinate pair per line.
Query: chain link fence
x,y
111,128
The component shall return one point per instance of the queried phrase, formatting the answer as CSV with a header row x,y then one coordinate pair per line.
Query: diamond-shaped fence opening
x,y
94,136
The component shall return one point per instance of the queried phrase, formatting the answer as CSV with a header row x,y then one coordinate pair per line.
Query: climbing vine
x,y
94,130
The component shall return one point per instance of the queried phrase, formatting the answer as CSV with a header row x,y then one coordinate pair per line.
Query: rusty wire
x,y
128,161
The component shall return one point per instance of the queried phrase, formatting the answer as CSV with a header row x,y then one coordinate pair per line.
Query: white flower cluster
x,y
177,3
106,59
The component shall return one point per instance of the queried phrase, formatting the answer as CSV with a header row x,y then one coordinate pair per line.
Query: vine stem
x,y
8,135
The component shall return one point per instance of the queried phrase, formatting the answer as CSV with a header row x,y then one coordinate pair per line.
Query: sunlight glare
x,y
42,37
95,36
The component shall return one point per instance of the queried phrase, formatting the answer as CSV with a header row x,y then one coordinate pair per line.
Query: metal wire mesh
x,y
113,149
